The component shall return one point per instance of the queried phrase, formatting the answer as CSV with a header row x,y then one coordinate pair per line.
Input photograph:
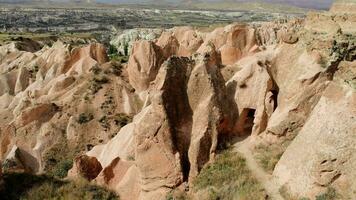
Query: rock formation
x,y
149,126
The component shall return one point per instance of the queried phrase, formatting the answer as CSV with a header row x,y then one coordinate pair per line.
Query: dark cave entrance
x,y
245,123
275,99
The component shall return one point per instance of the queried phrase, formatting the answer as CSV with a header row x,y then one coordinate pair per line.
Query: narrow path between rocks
x,y
266,179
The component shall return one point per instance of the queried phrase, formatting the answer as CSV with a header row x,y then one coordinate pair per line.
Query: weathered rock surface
x,y
328,141
48,98
144,64
187,93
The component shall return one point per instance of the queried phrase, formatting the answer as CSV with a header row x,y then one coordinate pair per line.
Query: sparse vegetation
x,y
116,68
286,194
58,158
85,118
330,194
114,55
229,178
96,83
62,168
104,122
122,119
26,186
268,155
177,195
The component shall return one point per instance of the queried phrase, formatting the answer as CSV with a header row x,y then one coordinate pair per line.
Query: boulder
x,y
42,112
86,167
12,163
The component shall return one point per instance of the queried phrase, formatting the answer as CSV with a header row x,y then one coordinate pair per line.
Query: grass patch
x,y
85,118
330,194
122,119
177,195
59,158
229,178
268,155
97,82
26,186
114,55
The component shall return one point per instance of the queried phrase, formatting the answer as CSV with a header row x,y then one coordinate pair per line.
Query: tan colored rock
x,y
83,59
5,100
323,152
168,43
254,110
189,40
144,63
85,166
211,117
12,163
322,23
40,112
290,37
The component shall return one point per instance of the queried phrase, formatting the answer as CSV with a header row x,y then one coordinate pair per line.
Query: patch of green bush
x,y
26,186
62,168
177,195
114,55
122,119
85,118
58,159
330,194
228,177
97,82
268,156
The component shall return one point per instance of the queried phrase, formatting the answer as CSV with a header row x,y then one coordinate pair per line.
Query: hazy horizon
x,y
315,4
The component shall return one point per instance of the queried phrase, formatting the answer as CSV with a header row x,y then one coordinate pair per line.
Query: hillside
x,y
240,111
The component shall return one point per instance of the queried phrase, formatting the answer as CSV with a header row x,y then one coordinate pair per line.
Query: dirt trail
x,y
266,179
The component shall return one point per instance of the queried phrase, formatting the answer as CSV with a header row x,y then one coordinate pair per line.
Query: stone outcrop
x,y
144,64
54,91
175,134
327,138
149,126
87,167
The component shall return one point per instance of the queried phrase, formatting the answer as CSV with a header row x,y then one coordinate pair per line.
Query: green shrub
x,y
114,55
85,118
122,119
97,82
58,158
62,168
26,186
330,194
268,156
177,195
229,178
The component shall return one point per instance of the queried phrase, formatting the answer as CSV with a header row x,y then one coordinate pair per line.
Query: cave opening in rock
x,y
245,123
275,99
